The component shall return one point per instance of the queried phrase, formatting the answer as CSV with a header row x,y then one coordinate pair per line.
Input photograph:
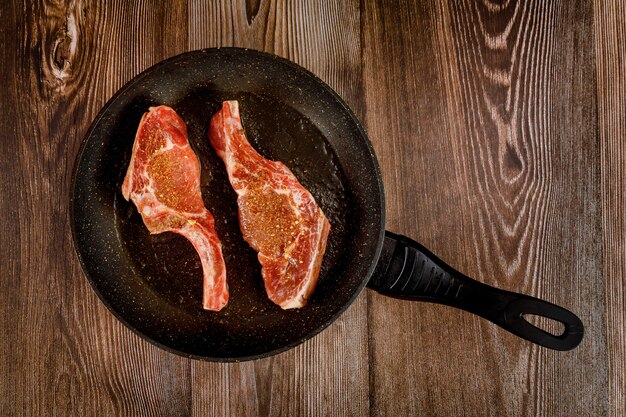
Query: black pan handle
x,y
408,270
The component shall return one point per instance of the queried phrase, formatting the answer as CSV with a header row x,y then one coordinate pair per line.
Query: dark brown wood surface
x,y
500,128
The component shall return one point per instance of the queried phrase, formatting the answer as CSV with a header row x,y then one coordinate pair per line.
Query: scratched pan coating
x,y
153,283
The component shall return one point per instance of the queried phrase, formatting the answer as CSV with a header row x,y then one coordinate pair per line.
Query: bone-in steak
x,y
278,217
163,180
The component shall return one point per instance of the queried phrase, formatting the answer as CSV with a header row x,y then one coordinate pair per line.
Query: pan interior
x,y
153,283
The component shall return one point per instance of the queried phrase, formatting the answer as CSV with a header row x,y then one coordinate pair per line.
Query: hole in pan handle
x,y
407,270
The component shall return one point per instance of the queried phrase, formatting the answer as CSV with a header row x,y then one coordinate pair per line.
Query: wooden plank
x,y
329,374
11,187
483,117
65,353
132,376
610,41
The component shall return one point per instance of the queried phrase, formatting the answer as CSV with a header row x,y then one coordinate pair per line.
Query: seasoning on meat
x,y
278,217
163,180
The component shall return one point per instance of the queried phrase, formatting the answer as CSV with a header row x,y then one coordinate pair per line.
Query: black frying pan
x,y
153,283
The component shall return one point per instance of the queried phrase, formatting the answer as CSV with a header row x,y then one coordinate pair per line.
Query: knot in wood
x,y
64,49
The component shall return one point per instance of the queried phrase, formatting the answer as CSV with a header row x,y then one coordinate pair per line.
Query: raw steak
x,y
163,180
278,217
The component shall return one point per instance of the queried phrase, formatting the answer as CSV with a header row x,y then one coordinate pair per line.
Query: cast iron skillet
x,y
153,283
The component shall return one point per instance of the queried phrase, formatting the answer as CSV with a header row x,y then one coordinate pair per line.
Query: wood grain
x,y
499,128
610,43
487,116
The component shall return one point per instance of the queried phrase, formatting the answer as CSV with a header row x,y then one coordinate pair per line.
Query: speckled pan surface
x,y
153,283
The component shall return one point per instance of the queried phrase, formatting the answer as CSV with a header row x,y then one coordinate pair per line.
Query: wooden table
x,y
500,130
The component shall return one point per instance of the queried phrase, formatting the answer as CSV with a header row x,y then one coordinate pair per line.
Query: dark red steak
x,y
163,180
278,217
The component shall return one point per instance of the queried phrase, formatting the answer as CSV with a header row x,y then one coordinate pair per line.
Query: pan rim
x,y
378,182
